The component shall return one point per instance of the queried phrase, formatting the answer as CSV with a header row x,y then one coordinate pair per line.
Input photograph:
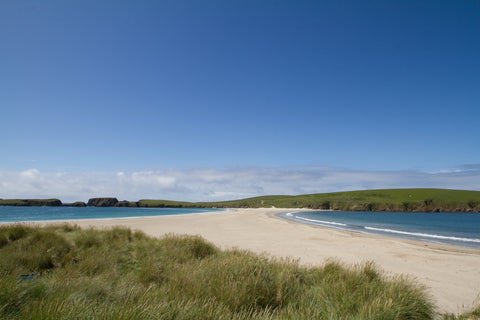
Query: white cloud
x,y
29,174
208,184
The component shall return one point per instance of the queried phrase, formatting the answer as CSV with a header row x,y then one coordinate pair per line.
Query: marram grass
x,y
64,272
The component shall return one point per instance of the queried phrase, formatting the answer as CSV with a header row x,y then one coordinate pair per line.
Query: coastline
x,y
399,229
450,273
74,221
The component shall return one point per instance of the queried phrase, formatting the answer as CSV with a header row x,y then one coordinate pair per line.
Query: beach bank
x,y
451,273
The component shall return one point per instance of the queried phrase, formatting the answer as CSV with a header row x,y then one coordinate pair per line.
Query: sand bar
x,y
452,274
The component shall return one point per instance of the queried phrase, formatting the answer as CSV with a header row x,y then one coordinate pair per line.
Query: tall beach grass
x,y
64,272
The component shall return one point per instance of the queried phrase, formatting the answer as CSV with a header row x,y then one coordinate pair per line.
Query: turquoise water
x,y
462,229
24,214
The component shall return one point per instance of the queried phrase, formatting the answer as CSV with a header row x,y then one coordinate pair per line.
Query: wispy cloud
x,y
472,166
208,184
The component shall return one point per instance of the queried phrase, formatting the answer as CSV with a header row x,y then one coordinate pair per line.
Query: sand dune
x,y
452,274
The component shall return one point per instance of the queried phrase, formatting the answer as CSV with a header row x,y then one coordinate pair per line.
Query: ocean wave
x,y
320,221
425,235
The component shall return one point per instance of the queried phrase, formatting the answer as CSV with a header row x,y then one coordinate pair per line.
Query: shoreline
x,y
430,244
450,273
453,241
41,222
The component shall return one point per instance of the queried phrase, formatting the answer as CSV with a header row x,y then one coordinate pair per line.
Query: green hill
x,y
31,202
419,200
424,200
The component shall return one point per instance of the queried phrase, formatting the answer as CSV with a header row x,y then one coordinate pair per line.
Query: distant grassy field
x,y
420,200
31,202
64,272
424,200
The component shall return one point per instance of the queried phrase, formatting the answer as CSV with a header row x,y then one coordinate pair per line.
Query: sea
x,y
34,214
460,229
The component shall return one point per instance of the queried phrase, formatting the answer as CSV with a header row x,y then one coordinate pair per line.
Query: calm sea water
x,y
23,214
462,229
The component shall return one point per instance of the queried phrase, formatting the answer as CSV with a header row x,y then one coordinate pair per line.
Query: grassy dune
x,y
120,274
424,200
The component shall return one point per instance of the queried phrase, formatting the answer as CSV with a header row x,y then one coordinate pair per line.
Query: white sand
x,y
452,274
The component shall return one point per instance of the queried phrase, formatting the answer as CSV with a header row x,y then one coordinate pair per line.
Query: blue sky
x,y
97,91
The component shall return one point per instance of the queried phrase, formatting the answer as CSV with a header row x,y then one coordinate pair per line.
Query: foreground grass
x,y
63,272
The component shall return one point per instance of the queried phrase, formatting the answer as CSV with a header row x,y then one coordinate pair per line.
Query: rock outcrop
x,y
102,202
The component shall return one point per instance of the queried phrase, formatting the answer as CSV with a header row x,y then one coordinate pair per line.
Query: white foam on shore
x,y
293,216
426,235
320,221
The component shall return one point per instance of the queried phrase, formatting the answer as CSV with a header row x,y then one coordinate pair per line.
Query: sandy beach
x,y
451,274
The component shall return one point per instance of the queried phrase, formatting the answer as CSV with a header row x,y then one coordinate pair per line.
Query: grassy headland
x,y
31,202
421,200
416,200
64,272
